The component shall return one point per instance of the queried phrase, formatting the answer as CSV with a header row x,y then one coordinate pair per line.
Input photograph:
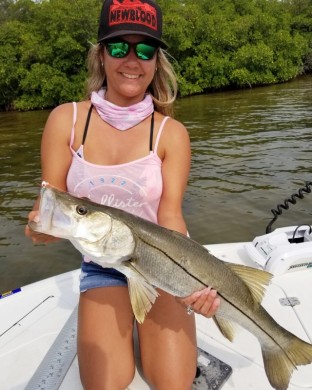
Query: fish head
x,y
92,230
62,215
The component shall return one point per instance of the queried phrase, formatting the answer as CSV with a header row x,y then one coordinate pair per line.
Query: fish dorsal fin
x,y
226,327
142,295
255,279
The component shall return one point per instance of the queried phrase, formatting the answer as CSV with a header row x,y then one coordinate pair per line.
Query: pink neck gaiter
x,y
122,118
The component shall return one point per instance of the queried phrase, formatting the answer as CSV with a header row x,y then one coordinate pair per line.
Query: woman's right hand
x,y
37,238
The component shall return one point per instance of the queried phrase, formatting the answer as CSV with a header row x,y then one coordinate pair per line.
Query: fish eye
x,y
81,210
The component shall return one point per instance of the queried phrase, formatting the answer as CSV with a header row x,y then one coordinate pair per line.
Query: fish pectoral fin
x,y
142,296
255,279
226,327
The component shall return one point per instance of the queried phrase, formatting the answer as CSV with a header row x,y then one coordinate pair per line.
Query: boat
x,y
38,323
38,326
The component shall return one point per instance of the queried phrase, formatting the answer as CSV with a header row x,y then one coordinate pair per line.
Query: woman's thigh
x,y
105,338
168,345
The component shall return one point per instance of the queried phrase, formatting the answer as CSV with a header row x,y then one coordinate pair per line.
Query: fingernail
x,y
207,290
197,294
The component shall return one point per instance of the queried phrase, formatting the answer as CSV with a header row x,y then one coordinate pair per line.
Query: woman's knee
x,y
105,343
102,370
168,345
179,379
112,380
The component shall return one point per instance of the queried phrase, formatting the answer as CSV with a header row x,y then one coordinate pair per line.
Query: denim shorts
x,y
94,276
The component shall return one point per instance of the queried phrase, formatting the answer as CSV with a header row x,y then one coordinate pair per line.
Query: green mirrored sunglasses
x,y
120,49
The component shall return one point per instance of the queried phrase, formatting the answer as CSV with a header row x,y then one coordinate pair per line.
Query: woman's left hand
x,y
205,302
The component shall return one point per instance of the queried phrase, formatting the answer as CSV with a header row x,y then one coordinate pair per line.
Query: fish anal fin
x,y
142,296
255,279
226,327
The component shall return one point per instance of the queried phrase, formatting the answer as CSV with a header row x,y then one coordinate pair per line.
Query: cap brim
x,y
162,44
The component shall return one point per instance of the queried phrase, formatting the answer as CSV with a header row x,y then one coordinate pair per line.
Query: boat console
x,y
284,250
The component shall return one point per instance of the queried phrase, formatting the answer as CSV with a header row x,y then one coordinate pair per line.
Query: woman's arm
x,y
176,155
56,155
55,160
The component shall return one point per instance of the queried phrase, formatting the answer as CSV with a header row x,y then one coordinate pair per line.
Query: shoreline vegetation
x,y
214,45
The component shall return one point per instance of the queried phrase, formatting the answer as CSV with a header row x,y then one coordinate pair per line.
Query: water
x,y
251,150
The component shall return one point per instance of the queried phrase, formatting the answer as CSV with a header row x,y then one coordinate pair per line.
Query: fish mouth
x,y
46,211
46,208
51,219
54,215
42,222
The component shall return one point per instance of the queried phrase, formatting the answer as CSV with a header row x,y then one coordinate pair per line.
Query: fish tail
x,y
280,362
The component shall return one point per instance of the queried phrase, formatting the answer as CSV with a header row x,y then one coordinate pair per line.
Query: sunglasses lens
x,y
121,49
145,51
118,49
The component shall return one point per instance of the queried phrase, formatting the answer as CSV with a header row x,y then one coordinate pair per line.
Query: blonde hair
x,y
163,88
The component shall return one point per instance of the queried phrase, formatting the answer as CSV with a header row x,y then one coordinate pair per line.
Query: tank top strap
x,y
72,135
162,125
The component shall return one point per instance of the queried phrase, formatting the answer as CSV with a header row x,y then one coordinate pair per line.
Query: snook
x,y
150,255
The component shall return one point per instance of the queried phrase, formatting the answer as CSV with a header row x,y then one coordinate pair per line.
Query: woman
x,y
120,148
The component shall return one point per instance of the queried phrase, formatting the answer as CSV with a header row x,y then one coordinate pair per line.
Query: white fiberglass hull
x,y
32,318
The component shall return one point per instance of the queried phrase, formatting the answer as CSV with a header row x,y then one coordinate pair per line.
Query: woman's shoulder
x,y
66,109
170,122
174,135
65,114
172,128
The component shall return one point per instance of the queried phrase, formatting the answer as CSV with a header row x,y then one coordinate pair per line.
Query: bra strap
x,y
87,125
151,133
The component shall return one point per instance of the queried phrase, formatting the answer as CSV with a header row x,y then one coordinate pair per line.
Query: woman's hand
x,y
37,238
205,302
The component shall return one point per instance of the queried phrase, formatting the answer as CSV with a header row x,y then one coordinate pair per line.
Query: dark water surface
x,y
251,150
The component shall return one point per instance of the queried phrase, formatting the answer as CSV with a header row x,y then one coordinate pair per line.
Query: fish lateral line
x,y
172,259
220,294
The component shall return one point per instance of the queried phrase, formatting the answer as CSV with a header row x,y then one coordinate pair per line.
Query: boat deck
x,y
32,319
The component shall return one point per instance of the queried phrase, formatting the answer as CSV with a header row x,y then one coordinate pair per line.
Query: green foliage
x,y
11,71
253,65
43,51
241,43
45,86
214,45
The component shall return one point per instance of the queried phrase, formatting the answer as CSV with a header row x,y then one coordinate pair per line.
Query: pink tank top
x,y
135,187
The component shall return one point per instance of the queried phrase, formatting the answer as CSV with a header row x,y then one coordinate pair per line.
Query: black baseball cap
x,y
123,17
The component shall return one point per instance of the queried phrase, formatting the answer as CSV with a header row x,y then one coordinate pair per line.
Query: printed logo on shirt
x,y
119,192
129,203
133,12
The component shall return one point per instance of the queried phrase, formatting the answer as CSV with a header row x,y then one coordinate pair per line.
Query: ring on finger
x,y
189,310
